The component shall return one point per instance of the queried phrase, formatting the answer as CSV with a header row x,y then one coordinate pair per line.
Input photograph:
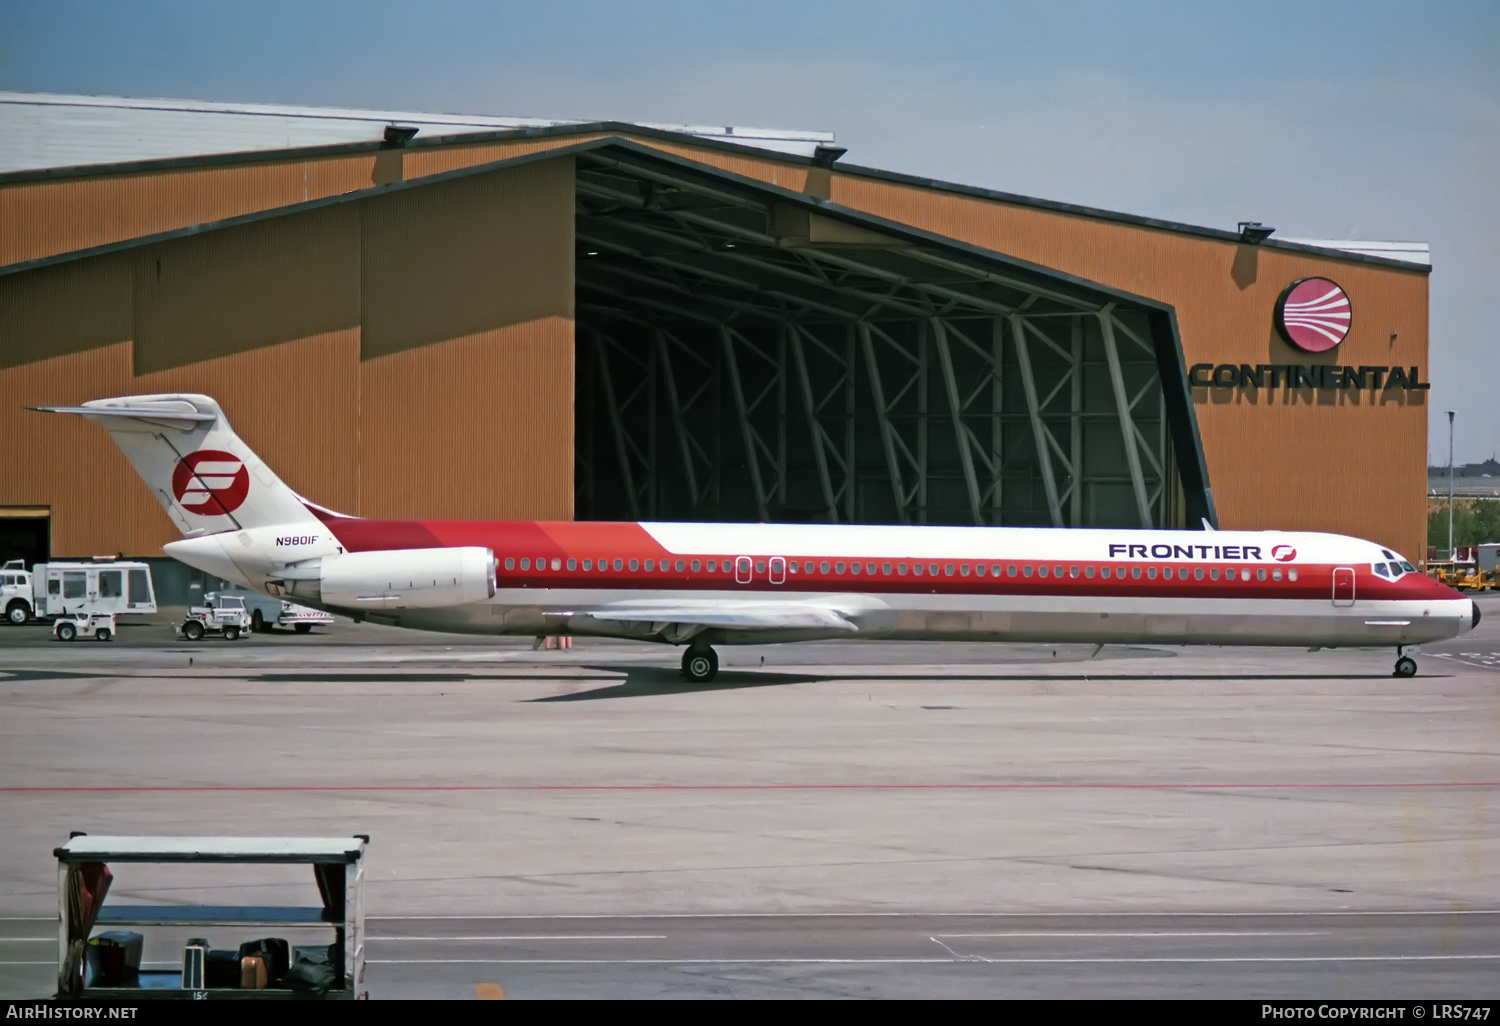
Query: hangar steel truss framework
x,y
749,354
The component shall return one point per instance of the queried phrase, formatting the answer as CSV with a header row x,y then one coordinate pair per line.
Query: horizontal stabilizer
x,y
183,418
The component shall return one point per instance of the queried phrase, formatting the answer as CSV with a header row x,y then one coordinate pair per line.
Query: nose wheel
x,y
1406,666
700,665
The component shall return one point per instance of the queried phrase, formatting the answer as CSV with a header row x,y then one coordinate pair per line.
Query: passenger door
x,y
1343,586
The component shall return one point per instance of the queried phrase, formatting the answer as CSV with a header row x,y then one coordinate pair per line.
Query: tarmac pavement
x,y
844,820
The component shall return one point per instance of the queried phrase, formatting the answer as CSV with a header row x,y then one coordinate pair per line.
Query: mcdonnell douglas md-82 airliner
x,y
698,585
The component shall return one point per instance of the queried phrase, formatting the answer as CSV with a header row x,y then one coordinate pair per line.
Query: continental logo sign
x,y
1313,314
1320,375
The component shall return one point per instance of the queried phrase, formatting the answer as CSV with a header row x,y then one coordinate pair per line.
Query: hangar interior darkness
x,y
744,354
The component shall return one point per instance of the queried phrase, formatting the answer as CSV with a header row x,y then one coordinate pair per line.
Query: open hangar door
x,y
748,354
25,534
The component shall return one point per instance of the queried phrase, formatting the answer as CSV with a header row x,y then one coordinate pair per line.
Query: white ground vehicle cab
x,y
16,598
100,626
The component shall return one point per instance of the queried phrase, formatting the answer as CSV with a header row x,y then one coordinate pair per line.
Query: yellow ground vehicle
x,y
1465,576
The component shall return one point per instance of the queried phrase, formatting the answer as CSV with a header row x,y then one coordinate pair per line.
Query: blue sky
x,y
1327,119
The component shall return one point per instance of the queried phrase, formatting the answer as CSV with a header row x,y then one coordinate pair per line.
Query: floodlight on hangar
x,y
824,156
400,135
1253,233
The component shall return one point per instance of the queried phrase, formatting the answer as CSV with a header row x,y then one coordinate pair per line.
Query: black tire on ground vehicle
x,y
103,634
192,630
231,633
258,623
302,628
17,613
66,632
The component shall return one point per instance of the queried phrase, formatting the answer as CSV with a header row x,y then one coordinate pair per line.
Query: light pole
x,y
1450,488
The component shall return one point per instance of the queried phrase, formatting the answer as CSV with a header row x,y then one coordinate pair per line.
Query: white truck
x,y
267,612
50,590
224,615
299,618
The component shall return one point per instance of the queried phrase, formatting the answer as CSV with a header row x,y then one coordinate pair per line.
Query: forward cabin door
x,y
1343,586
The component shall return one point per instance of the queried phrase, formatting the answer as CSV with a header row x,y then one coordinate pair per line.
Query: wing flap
x,y
763,617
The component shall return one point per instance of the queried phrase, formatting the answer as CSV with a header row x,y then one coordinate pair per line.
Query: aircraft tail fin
x,y
203,474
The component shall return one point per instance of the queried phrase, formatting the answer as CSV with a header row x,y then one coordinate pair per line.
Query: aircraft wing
x,y
748,616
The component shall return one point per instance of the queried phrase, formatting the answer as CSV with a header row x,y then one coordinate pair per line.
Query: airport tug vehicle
x,y
225,616
72,626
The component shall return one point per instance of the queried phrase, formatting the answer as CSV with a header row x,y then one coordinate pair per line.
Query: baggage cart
x,y
86,866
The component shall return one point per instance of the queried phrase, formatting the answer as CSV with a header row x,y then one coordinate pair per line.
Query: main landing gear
x,y
700,665
1406,666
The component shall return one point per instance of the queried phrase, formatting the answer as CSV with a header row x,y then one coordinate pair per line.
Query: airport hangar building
x,y
602,321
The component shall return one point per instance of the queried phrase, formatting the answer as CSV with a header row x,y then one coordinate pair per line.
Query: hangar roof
x,y
799,147
49,130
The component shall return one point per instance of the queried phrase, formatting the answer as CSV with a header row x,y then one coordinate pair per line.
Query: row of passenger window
x,y
651,565
836,567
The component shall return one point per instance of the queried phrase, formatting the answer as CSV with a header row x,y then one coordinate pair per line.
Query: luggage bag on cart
x,y
275,954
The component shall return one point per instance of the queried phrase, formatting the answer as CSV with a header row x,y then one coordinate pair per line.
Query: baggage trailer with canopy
x,y
95,951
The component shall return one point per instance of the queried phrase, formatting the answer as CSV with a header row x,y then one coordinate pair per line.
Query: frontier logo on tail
x,y
210,482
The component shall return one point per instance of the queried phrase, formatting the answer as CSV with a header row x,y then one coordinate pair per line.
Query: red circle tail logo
x,y
1313,314
1283,553
210,482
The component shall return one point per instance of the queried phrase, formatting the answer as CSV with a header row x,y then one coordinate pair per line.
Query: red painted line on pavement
x,y
1389,785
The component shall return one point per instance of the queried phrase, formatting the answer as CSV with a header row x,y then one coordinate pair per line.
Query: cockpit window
x,y
1407,567
1380,569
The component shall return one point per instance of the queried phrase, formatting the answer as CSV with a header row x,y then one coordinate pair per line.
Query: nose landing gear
x,y
700,665
1406,666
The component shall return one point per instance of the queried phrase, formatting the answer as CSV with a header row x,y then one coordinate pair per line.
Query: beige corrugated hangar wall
x,y
372,351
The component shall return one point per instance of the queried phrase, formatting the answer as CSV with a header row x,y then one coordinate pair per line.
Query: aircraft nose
x,y
1475,621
